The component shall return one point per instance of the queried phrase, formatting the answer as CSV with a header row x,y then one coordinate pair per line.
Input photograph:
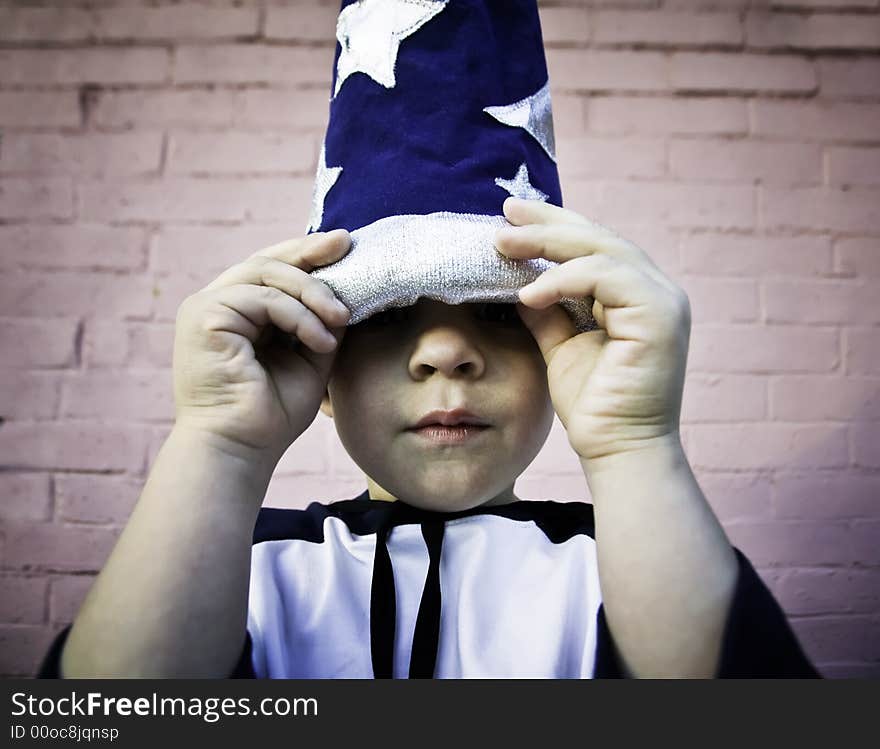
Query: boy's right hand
x,y
253,349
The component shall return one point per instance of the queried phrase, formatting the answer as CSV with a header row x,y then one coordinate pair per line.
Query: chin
x,y
447,501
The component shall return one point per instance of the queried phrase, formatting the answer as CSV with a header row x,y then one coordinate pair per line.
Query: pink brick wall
x,y
148,145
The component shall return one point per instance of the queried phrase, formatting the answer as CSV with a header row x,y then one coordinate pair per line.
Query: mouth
x,y
449,435
453,427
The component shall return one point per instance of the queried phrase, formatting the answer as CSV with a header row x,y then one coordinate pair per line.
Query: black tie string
x,y
383,607
427,635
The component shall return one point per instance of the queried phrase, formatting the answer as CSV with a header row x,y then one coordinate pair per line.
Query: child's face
x,y
398,365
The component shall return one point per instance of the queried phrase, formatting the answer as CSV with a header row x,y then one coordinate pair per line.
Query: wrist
x,y
665,448
258,463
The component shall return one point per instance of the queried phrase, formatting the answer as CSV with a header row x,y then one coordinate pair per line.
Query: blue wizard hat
x,y
439,111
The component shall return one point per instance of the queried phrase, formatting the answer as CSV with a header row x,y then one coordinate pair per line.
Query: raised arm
x,y
253,352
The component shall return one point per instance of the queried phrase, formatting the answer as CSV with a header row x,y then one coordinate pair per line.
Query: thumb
x,y
549,327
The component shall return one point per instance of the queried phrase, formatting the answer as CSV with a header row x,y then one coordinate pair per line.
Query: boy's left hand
x,y
619,387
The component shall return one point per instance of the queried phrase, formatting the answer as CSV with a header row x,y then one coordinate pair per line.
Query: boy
x,y
668,576
442,367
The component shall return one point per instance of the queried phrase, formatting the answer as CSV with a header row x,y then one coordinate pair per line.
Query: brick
x,y
313,23
694,71
25,496
727,398
28,394
611,157
72,445
81,154
746,161
223,63
865,446
32,294
186,108
115,344
702,4
667,27
565,25
836,495
67,595
676,204
28,344
90,498
569,114
829,121
308,454
818,31
39,108
850,76
862,351
585,197
778,544
231,152
197,249
22,648
575,69
129,395
830,591
58,547
290,108
33,198
736,496
766,445
839,638
760,349
820,208
87,65
658,241
194,199
858,256
824,398
23,599
172,290
630,114
185,21
823,4
45,24
723,300
826,301
854,166
76,246
743,255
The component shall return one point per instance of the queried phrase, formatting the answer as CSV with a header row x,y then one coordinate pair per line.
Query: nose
x,y
448,348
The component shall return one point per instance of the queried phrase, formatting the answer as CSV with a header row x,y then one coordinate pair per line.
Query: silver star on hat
x,y
520,187
534,114
324,180
370,33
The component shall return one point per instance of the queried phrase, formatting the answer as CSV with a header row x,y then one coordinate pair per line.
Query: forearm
x,y
666,568
172,597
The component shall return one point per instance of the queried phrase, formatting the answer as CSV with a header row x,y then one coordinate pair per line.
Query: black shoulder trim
x,y
559,520
50,668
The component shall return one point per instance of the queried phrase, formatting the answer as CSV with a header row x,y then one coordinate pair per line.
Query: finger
x,y
311,251
613,283
549,327
263,270
561,242
253,307
520,211
599,313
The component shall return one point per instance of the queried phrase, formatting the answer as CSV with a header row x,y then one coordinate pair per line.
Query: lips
x,y
455,417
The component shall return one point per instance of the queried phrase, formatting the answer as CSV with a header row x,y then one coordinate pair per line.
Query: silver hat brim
x,y
448,257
